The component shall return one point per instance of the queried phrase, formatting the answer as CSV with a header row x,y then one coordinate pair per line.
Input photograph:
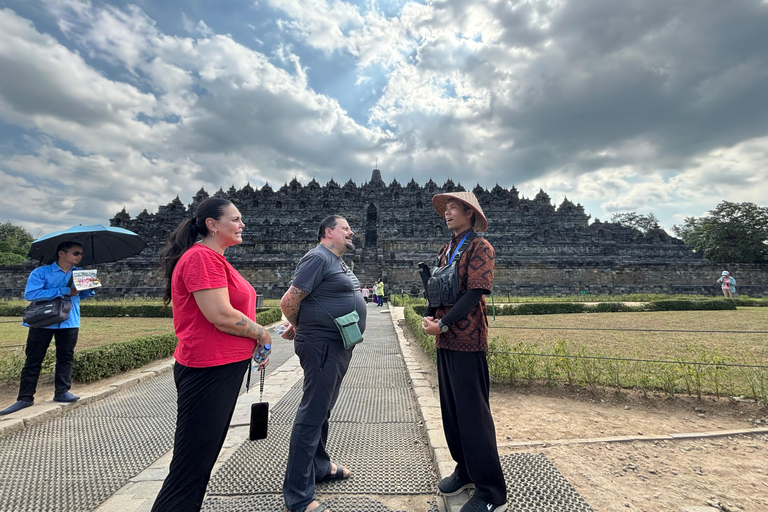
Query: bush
x,y
406,300
688,305
752,303
414,319
268,316
108,360
118,310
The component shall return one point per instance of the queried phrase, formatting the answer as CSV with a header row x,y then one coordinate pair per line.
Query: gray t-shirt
x,y
321,273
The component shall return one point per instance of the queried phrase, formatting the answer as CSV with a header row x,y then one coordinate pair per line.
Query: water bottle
x,y
280,329
263,353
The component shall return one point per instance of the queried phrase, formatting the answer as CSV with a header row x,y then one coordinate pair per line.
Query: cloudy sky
x,y
653,106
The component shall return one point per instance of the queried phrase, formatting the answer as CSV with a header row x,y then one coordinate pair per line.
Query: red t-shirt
x,y
201,344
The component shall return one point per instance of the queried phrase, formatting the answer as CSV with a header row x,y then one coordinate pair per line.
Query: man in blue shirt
x,y
48,282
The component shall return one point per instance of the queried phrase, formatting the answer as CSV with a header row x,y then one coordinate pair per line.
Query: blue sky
x,y
647,106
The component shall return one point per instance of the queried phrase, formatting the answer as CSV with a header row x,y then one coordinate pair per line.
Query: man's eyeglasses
x,y
77,253
343,266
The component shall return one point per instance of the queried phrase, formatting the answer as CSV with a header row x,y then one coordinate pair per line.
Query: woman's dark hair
x,y
328,222
185,235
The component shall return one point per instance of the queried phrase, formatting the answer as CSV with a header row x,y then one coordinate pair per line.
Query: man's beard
x,y
349,245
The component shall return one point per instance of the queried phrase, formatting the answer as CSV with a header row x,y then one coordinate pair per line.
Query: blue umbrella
x,y
101,244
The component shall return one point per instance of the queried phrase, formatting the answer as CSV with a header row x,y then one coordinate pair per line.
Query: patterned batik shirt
x,y
470,334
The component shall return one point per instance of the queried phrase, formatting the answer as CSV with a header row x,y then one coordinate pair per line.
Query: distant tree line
x,y
730,233
14,244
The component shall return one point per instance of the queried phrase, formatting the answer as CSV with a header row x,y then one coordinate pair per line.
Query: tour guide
x,y
462,368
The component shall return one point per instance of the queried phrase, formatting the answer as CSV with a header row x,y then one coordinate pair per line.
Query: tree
x,y
731,233
642,223
14,244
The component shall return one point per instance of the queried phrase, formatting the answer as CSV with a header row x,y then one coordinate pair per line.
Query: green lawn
x,y
93,331
547,330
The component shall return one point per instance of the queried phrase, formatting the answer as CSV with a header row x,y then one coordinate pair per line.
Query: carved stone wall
x,y
541,249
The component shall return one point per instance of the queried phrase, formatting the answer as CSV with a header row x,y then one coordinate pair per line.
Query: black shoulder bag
x,y
42,313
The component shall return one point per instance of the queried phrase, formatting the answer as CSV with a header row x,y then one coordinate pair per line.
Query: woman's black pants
x,y
206,402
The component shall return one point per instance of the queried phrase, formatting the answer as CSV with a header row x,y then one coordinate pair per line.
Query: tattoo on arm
x,y
249,326
292,303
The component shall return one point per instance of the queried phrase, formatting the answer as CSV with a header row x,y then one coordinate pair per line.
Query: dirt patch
x,y
727,473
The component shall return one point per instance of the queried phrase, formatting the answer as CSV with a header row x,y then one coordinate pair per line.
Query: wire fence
x,y
630,359
622,329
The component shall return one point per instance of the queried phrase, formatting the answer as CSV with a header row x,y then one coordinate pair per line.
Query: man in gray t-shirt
x,y
322,280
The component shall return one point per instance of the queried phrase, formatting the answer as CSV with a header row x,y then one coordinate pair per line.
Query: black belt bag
x,y
443,285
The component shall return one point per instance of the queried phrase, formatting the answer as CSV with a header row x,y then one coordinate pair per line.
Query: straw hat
x,y
468,198
725,272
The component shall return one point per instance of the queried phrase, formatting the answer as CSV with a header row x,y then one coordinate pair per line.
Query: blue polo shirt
x,y
50,281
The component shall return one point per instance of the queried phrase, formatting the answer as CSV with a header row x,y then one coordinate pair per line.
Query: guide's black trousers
x,y
38,341
467,422
206,402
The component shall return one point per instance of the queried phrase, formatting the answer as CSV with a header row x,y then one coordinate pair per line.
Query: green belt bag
x,y
347,325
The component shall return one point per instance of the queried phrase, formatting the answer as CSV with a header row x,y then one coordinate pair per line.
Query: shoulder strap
x,y
470,236
326,311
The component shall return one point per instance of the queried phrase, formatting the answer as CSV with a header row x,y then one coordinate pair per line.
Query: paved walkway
x,y
110,451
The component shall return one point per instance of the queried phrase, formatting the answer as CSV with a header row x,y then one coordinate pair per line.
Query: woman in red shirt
x,y
214,313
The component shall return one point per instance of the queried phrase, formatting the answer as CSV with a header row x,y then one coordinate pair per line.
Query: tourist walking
x,y
48,282
214,316
323,288
461,329
727,284
380,291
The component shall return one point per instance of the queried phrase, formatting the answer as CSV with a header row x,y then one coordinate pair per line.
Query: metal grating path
x,y
274,503
535,485
366,405
375,430
73,462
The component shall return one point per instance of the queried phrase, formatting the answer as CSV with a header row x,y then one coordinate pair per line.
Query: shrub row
x,y
413,319
558,308
743,300
107,360
110,310
268,315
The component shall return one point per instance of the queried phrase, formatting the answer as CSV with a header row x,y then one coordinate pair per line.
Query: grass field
x,y
632,352
545,331
93,331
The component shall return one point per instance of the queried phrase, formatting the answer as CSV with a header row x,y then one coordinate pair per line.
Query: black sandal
x,y
337,475
319,508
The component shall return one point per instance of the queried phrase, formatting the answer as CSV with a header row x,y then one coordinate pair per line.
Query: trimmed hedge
x,y
268,316
414,319
112,310
558,308
108,360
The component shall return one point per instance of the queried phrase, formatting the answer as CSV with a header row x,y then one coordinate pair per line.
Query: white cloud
x,y
618,105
